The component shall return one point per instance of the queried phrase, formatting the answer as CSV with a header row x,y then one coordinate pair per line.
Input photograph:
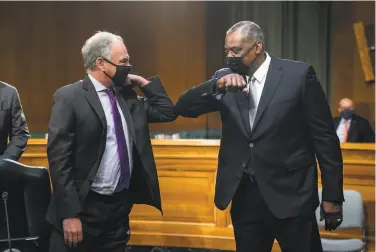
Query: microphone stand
x,y
5,198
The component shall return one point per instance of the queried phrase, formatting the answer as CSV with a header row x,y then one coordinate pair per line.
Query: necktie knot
x,y
253,79
110,92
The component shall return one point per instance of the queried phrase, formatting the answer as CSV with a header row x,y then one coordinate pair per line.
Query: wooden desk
x,y
187,172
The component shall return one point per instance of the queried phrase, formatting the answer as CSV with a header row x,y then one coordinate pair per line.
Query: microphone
x,y
5,199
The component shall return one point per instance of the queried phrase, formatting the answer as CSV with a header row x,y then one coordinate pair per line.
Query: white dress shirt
x,y
341,129
108,173
256,86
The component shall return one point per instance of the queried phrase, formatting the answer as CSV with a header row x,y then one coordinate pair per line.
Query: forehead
x,y
346,103
118,51
234,39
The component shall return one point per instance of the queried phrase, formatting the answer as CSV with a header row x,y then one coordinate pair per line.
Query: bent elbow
x,y
182,109
168,114
189,112
170,117
178,109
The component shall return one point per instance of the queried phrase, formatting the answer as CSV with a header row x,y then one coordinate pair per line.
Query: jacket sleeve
x,y
60,149
19,132
157,103
324,138
200,99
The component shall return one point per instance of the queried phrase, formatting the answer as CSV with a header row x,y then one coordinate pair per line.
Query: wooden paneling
x,y
41,42
364,52
187,170
348,79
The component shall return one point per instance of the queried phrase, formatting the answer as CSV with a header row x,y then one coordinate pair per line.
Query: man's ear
x,y
99,62
259,47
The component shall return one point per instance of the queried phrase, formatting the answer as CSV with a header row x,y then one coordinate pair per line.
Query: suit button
x,y
251,145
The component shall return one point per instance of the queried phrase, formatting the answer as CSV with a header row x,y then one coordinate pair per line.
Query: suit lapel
x,y
126,112
336,123
352,129
242,101
271,83
93,99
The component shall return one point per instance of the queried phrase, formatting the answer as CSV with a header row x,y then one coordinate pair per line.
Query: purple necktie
x,y
121,143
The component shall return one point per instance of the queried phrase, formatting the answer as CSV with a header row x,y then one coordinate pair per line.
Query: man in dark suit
x,y
99,149
351,127
275,122
12,123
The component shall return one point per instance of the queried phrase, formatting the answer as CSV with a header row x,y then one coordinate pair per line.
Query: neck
x,y
258,62
101,78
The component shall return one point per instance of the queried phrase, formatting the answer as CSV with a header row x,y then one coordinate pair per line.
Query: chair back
x,y
29,194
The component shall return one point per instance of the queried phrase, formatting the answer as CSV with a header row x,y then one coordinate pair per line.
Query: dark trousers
x,y
105,225
255,227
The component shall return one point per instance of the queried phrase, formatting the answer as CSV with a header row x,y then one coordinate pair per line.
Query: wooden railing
x,y
187,172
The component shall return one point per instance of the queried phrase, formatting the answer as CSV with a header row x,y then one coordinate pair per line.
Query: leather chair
x,y
29,193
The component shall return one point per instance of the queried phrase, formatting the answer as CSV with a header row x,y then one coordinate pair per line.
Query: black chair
x,y
28,195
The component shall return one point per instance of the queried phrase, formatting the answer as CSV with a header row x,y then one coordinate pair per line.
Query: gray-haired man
x,y
99,149
275,122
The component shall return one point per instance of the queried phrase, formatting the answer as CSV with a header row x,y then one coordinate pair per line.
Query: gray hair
x,y
250,30
98,45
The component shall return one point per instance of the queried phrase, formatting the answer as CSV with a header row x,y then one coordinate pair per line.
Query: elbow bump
x,y
171,117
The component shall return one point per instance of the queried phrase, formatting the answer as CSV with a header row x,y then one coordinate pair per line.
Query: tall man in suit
x,y
99,149
275,122
351,127
12,123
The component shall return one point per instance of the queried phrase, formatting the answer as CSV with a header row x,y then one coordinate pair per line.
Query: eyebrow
x,y
125,59
232,48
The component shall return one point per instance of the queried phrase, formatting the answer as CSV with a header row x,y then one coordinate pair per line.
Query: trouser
x,y
255,227
105,224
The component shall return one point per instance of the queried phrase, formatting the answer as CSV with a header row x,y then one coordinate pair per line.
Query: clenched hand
x,y
136,81
72,232
232,83
332,214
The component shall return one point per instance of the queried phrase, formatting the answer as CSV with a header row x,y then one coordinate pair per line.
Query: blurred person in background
x,y
13,124
350,127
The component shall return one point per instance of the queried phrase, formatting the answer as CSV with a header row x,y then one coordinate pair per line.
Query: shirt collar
x,y
343,120
97,85
261,72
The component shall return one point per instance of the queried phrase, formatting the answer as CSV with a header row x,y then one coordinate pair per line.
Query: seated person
x,y
12,123
352,127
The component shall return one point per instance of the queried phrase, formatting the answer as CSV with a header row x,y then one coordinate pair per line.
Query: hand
x,y
136,81
232,83
72,232
332,213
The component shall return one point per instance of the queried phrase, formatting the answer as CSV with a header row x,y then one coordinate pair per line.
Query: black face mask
x,y
236,64
120,75
347,113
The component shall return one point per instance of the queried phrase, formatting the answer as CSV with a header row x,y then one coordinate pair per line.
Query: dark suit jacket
x,y
293,124
360,130
12,123
77,138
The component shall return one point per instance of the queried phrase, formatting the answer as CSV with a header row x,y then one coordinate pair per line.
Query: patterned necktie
x,y
252,103
121,143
